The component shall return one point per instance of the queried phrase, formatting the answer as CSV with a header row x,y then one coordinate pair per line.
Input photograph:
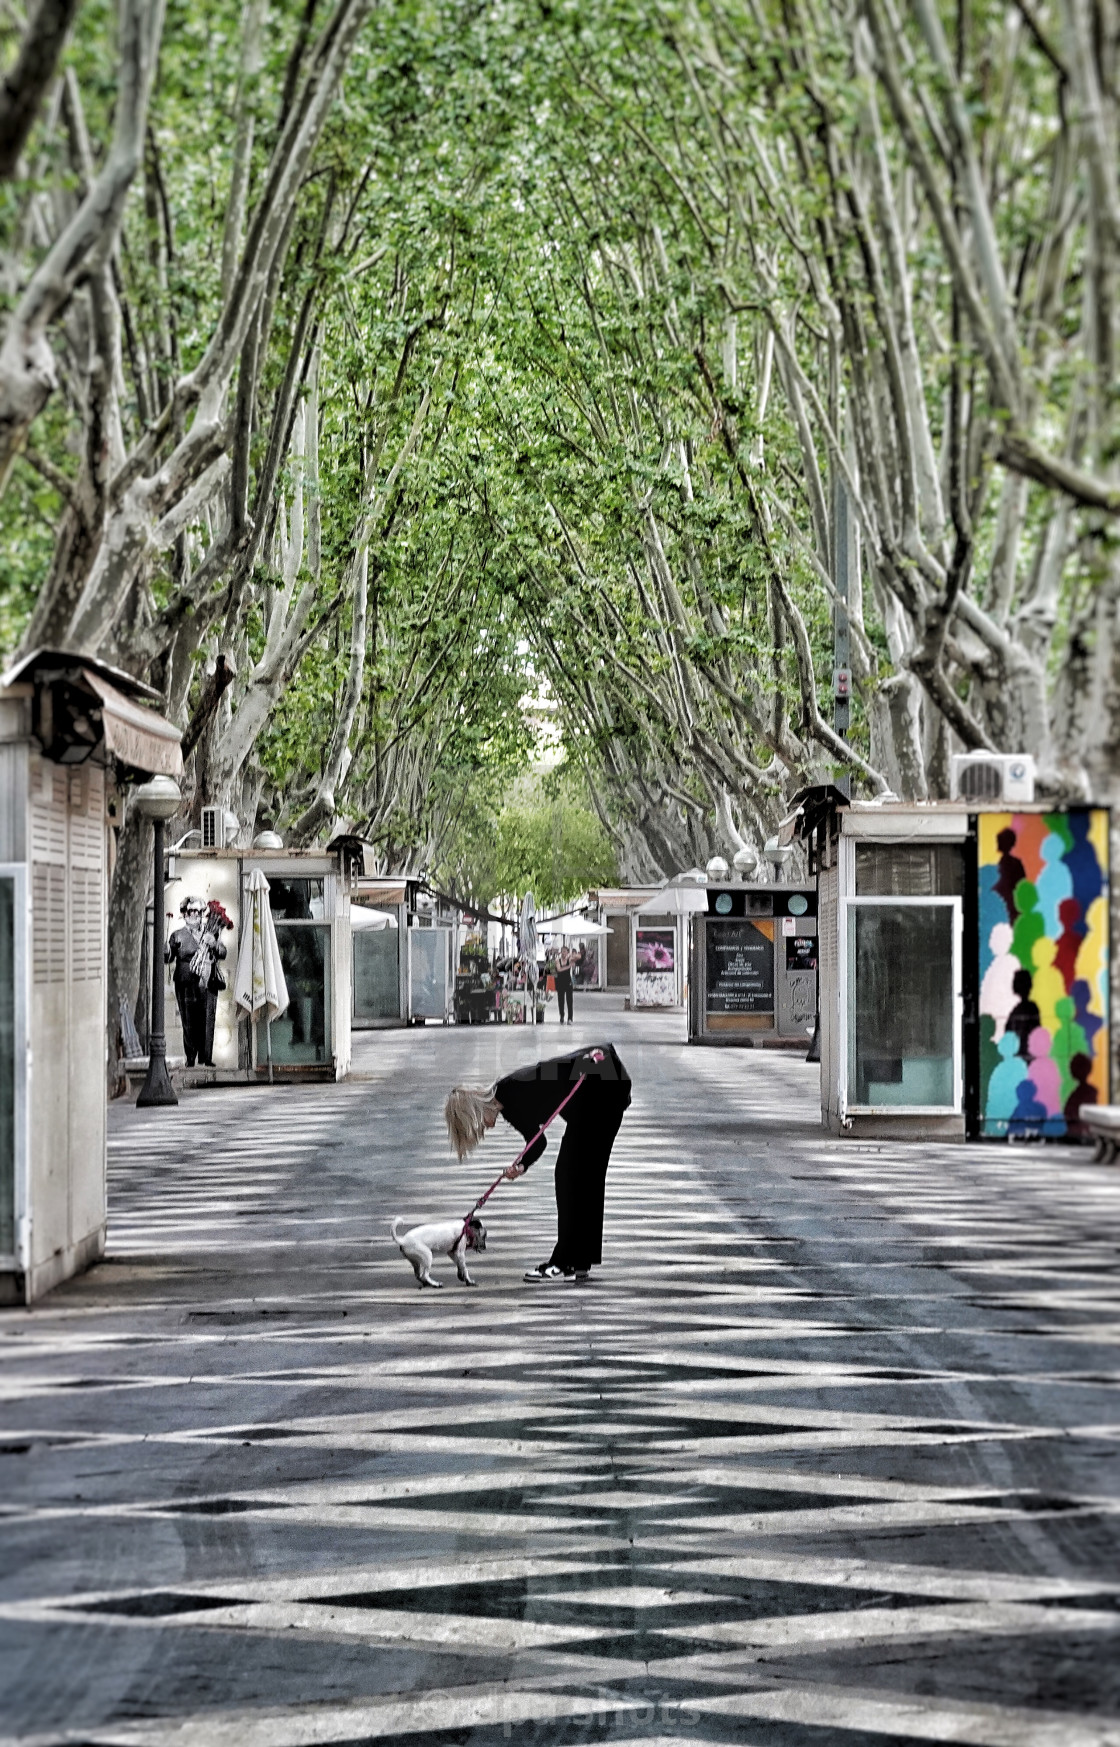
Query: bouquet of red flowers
x,y
204,963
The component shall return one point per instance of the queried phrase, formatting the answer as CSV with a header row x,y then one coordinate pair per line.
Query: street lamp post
x,y
158,800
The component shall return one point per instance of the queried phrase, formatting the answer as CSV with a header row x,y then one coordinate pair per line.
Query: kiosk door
x,y
901,1019
377,975
429,970
301,1035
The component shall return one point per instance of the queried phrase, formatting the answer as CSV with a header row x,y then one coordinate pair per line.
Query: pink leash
x,y
483,1199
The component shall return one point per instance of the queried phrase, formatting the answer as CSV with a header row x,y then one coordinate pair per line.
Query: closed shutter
x,y
68,849
87,848
49,809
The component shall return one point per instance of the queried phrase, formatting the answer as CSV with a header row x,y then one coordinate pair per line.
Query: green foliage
x,y
543,838
558,241
31,510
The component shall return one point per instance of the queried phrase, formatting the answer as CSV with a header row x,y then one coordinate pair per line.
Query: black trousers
x,y
192,1001
207,1056
581,1176
564,993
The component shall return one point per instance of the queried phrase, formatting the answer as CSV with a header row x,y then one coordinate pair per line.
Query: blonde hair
x,y
465,1113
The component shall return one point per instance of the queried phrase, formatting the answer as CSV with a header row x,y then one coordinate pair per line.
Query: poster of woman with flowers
x,y
655,967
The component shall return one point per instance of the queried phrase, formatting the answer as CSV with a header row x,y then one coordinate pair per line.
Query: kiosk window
x,y
295,900
909,870
429,950
903,1022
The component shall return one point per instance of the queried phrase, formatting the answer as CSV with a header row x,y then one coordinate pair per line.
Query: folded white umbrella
x,y
529,939
259,986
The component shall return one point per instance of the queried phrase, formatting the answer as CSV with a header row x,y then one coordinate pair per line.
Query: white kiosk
x,y
70,727
310,903
965,960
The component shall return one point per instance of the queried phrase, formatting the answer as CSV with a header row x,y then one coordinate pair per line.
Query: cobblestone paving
x,y
826,1454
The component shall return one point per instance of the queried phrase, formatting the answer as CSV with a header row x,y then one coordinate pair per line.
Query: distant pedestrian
x,y
564,982
527,1098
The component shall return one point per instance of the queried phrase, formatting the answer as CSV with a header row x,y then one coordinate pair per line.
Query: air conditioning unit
x,y
213,828
1006,777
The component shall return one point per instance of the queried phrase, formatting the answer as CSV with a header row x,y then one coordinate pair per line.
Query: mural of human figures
x,y
195,949
1043,970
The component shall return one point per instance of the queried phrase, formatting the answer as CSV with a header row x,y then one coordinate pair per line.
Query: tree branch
x,y
23,86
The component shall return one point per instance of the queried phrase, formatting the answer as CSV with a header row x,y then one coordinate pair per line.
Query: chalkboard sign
x,y
740,964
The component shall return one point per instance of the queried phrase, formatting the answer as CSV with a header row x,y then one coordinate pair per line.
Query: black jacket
x,y
531,1095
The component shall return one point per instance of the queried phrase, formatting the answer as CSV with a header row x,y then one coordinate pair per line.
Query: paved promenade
x,y
827,1454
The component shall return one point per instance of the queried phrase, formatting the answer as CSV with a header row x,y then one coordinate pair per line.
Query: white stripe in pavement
x,y
977,1725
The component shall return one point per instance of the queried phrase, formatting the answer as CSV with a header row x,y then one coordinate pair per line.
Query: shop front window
x,y
903,1007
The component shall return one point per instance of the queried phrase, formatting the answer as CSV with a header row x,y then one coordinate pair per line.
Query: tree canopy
x,y
387,362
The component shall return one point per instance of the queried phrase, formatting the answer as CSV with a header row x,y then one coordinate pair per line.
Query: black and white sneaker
x,y
544,1271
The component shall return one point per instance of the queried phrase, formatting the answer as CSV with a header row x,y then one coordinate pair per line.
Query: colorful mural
x,y
1043,970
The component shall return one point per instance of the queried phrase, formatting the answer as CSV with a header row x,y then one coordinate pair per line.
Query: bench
x,y
1103,1123
135,1068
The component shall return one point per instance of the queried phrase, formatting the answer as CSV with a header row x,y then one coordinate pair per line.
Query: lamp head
x,y
158,798
777,854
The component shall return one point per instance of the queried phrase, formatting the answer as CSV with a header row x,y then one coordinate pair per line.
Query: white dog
x,y
423,1243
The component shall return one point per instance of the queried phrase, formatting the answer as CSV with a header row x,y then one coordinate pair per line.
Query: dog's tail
x,y
393,1233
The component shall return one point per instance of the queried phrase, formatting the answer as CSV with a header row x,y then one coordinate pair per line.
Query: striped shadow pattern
x,y
826,1454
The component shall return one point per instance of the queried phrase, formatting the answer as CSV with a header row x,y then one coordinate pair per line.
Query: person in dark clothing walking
x,y
593,1117
564,983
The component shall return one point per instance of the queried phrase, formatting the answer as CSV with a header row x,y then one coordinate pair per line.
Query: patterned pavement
x,y
828,1453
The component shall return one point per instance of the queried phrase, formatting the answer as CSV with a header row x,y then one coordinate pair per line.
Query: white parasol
x,y
363,919
675,900
260,985
572,927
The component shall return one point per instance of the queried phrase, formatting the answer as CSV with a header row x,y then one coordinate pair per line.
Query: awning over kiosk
x,y
80,703
135,735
